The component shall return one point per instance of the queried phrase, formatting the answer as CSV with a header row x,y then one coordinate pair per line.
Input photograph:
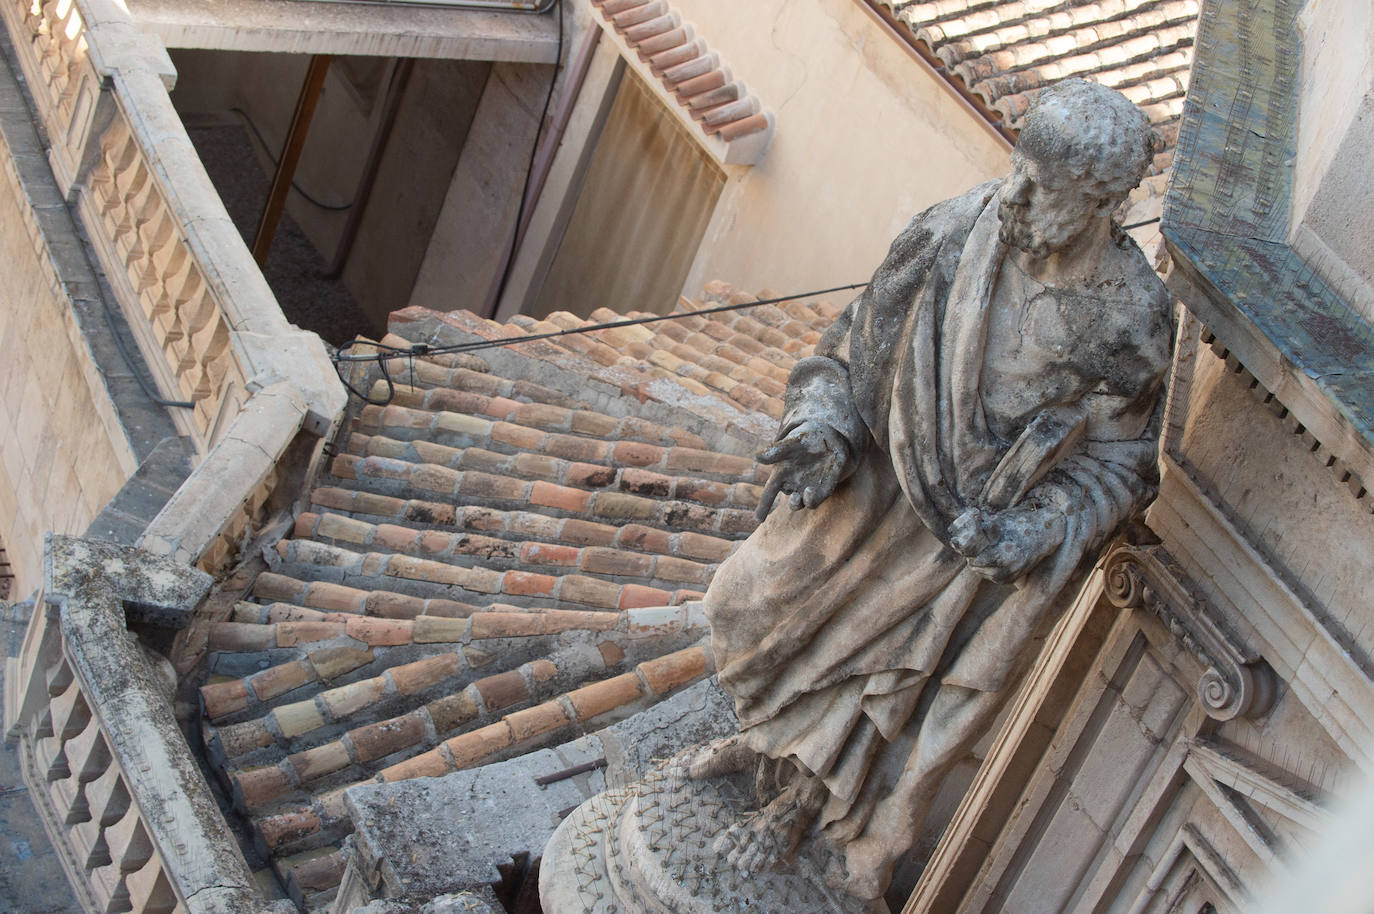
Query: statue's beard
x,y
1040,237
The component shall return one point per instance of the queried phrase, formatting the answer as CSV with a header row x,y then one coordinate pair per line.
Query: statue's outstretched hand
x,y
1003,545
810,462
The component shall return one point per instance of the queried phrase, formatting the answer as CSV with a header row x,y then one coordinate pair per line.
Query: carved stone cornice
x,y
1236,682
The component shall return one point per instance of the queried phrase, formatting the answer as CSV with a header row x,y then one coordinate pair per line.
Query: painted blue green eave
x,y
1226,214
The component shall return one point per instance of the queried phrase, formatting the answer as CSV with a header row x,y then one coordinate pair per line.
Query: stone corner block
x,y
150,587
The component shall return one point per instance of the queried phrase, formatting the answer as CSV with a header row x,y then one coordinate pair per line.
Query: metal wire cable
x,y
385,352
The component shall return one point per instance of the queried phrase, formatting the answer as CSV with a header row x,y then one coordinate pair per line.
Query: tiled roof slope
x,y
505,556
699,82
1004,53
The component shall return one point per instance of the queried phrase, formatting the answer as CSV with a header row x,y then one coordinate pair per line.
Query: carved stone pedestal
x,y
651,849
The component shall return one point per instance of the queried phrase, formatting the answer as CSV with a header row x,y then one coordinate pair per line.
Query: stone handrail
x,y
208,326
133,822
121,796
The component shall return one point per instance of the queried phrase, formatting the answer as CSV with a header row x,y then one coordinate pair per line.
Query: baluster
x,y
111,891
84,754
154,237
70,713
60,676
48,758
143,202
129,844
108,798
117,153
129,183
88,753
149,890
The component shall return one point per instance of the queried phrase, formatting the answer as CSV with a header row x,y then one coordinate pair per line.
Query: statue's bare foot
x,y
862,867
720,758
773,833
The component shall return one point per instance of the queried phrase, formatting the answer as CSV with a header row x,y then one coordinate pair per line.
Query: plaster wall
x,y
1289,506
431,130
1332,224
62,456
429,133
473,229
866,138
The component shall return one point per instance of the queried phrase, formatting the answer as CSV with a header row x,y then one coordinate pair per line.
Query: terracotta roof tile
x,y
653,33
1002,54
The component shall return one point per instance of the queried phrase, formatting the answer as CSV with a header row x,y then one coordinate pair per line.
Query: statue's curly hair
x,y
1094,136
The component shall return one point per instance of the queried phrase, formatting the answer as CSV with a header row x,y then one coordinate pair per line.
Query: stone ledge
x,y
390,30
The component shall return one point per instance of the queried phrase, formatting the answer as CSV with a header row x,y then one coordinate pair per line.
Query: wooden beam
x,y
290,156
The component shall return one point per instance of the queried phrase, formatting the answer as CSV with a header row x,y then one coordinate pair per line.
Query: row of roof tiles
x,y
686,66
1003,54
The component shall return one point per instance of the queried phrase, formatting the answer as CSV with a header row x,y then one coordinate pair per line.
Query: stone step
x,y
545,417
472,549
324,819
609,380
460,430
469,374
542,468
758,386
303,660
384,732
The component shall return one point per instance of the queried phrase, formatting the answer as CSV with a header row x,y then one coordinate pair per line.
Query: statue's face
x,y
1042,212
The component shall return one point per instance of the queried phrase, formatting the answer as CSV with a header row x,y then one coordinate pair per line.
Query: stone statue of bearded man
x,y
966,437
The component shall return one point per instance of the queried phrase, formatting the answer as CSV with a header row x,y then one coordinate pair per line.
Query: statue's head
x,y
1083,147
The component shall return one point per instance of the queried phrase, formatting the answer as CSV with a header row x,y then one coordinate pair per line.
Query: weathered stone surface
x,y
436,835
92,584
953,455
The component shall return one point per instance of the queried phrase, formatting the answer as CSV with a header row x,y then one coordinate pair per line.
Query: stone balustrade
x,y
119,792
208,326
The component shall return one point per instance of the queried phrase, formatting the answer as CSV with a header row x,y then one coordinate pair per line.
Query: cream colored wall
x,y
1332,224
866,138
1287,503
63,454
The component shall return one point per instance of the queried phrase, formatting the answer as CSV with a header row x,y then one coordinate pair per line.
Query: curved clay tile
x,y
1003,53
653,33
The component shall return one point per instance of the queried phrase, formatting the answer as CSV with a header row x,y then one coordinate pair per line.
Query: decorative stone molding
x,y
1344,474
1237,682
689,78
119,793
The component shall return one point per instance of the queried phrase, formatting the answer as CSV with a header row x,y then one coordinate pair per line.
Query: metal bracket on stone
x,y
1237,682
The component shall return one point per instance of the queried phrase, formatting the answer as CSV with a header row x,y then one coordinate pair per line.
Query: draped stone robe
x,y
828,623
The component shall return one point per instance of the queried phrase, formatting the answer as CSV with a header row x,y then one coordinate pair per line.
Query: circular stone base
x,y
650,849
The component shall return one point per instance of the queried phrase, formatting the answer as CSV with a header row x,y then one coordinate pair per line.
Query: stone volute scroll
x,y
968,435
1236,681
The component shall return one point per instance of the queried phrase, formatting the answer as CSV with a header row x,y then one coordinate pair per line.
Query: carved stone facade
x,y
1205,709
1197,715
